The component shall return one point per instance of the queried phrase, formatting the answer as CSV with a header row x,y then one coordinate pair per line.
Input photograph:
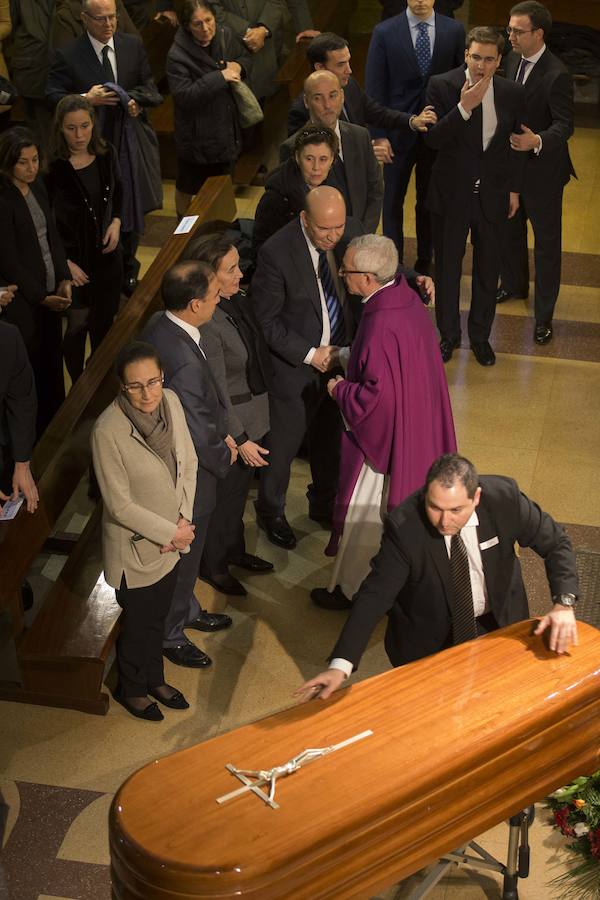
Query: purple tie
x,y
522,69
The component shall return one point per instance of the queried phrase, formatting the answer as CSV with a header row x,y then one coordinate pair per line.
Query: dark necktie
x,y
522,70
107,70
335,312
463,620
423,48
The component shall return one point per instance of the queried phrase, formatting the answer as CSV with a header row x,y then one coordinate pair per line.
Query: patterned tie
x,y
423,48
335,312
522,69
463,620
107,70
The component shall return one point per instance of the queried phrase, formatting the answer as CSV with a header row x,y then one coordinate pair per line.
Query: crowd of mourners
x,y
319,341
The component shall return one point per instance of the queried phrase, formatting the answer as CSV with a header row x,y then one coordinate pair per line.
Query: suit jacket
x,y
549,113
76,68
443,7
410,579
18,403
363,175
188,374
360,110
141,505
461,159
243,14
392,73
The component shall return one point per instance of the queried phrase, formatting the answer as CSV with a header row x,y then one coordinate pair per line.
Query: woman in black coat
x,y
202,62
84,184
32,257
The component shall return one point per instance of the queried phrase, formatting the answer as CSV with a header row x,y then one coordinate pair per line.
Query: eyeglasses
x,y
519,31
342,271
486,59
136,387
100,19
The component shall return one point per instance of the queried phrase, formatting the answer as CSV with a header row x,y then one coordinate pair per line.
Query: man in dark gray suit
x,y
355,170
447,572
190,292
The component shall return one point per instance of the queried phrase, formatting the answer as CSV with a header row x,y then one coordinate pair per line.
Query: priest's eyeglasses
x,y
137,388
342,271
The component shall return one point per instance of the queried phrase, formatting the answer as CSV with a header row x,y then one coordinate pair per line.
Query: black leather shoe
x,y
210,621
129,286
251,563
330,599
424,267
446,348
174,700
502,295
150,713
277,529
543,332
484,354
187,655
225,584
26,595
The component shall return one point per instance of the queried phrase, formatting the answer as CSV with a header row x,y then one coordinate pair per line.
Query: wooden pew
x,y
61,657
461,740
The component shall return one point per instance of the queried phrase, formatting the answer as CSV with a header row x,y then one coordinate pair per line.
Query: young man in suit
x,y
403,54
190,292
475,185
355,169
447,572
542,140
332,52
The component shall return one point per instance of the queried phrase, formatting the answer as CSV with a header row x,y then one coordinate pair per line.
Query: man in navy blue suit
x,y
404,52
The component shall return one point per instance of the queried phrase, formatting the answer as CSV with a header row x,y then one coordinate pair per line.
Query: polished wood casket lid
x,y
461,740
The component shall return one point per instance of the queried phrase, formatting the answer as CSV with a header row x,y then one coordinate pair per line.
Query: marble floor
x,y
534,416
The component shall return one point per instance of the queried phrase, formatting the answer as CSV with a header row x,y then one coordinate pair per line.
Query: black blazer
x,y
360,110
363,175
461,160
76,68
21,260
18,404
410,578
188,374
549,113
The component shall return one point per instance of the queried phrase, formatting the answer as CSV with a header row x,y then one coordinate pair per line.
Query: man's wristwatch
x,y
567,600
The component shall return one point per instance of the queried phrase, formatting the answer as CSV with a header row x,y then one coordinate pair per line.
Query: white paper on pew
x,y
186,224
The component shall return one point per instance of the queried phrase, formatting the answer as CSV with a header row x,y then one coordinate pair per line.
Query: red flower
x,y
594,837
560,817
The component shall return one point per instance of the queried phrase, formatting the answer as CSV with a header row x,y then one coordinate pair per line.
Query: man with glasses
x,y
475,185
546,127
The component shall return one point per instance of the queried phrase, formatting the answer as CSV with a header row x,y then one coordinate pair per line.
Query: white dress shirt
x,y
99,47
193,332
314,256
413,24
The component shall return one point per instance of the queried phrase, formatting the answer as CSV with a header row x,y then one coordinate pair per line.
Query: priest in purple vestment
x,y
396,410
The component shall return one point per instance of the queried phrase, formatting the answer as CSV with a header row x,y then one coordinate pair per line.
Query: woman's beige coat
x,y
141,504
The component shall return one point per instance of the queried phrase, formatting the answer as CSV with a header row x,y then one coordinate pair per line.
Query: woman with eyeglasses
x,y
145,464
315,150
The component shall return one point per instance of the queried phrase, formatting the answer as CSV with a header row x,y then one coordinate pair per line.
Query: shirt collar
x,y
310,244
98,46
413,21
193,332
536,56
473,520
387,284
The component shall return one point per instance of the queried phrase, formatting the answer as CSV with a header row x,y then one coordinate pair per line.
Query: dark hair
x,y
185,281
209,249
317,134
59,149
134,352
324,43
12,143
537,12
485,34
450,468
189,8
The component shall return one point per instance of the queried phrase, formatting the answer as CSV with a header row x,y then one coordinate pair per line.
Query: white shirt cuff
x,y
537,150
308,358
464,113
343,665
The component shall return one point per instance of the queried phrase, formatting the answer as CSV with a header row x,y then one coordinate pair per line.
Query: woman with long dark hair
x,y
84,184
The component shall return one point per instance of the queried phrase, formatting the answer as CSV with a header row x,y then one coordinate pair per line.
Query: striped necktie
x,y
335,312
522,70
463,619
423,48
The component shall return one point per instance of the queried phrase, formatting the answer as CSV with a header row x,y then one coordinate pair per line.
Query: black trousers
x,y
396,177
129,244
93,310
450,236
313,413
139,646
225,538
45,356
544,211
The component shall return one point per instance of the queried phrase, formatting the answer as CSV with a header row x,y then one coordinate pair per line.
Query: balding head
x,y
324,217
323,97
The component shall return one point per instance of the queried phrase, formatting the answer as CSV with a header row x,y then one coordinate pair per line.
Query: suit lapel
x,y
486,531
407,49
438,44
91,61
441,561
304,266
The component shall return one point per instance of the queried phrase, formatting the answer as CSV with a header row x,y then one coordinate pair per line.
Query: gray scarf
x,y
156,428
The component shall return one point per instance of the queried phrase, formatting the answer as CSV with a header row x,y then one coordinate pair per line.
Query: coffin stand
x,y
461,741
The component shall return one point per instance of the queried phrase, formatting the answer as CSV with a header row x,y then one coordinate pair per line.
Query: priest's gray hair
x,y
375,254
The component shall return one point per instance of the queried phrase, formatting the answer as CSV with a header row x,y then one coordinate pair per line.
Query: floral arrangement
x,y
576,812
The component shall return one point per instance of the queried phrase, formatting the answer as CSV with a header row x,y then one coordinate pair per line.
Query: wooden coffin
x,y
460,741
